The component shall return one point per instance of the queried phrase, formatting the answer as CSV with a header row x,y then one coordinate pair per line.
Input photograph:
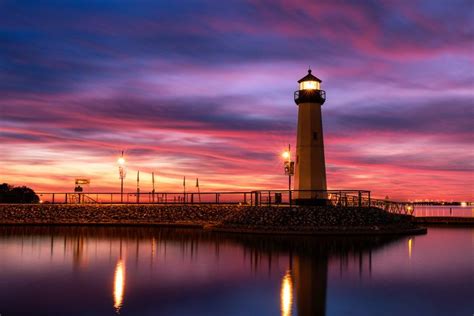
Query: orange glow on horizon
x,y
46,169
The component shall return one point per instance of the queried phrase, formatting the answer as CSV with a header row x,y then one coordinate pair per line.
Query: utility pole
x,y
289,174
199,191
138,186
153,191
184,189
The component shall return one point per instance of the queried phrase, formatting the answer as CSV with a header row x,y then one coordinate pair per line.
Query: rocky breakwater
x,y
112,214
232,218
318,220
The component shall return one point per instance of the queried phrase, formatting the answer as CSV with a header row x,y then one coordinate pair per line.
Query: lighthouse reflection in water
x,y
156,271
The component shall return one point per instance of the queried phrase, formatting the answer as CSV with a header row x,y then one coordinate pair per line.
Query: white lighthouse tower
x,y
310,164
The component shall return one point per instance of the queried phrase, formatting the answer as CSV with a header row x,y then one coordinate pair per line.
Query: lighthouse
x,y
310,164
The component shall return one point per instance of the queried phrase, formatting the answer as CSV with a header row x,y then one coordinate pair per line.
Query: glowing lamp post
x,y
122,174
289,169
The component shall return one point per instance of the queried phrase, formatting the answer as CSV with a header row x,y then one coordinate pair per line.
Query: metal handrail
x,y
344,198
406,208
322,94
255,197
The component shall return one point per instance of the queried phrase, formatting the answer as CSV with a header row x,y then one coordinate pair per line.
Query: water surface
x,y
156,271
443,210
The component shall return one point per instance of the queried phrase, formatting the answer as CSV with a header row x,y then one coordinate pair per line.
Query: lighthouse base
x,y
311,197
312,202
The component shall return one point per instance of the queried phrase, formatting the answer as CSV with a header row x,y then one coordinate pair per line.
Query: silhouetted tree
x,y
5,187
11,194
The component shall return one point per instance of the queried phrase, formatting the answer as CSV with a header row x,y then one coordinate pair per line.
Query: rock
x,y
304,218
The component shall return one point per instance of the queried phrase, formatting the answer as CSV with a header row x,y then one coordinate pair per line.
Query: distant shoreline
x,y
445,220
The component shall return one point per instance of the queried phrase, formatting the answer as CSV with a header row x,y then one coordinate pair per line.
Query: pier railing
x,y
351,198
393,206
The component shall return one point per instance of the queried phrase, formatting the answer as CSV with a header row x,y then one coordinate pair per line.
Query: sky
x,y
205,89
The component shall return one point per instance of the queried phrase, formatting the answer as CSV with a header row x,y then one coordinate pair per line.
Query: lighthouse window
x,y
309,85
315,136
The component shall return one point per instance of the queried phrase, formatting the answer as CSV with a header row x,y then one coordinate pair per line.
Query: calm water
x,y
153,271
444,210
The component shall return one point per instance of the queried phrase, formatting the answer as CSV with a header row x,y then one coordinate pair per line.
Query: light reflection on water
x,y
119,285
410,245
141,271
286,295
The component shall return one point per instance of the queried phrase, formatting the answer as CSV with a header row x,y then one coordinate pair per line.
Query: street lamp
x,y
122,174
289,169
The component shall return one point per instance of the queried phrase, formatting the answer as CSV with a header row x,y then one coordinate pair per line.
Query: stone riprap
x,y
111,214
219,217
316,218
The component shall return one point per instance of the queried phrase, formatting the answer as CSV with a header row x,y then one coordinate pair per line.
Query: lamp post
x,y
153,183
138,186
289,169
122,174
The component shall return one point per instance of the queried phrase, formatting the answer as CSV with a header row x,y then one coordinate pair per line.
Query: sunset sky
x,y
205,89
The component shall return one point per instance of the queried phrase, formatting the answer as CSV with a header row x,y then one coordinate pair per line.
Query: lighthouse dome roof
x,y
309,77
